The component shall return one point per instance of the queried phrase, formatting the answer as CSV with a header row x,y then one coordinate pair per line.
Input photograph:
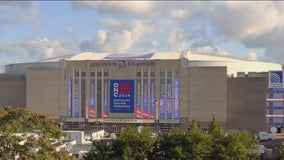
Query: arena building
x,y
162,90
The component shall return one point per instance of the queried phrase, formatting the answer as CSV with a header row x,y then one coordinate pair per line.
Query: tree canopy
x,y
27,135
180,145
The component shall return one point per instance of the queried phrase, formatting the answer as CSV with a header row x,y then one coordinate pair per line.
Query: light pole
x,y
157,126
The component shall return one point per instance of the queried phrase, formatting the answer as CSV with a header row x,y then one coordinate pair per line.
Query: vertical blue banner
x,y
138,99
92,110
145,91
69,112
169,89
106,99
162,99
122,96
77,98
176,107
153,99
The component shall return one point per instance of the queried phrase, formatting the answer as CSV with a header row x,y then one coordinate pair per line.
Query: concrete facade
x,y
46,91
13,90
246,103
170,90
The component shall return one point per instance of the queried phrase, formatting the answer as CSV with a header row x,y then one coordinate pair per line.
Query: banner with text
x,y
122,96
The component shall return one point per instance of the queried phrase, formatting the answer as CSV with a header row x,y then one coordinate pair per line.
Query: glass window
x,y
138,74
162,73
152,74
93,74
99,74
105,74
76,74
83,74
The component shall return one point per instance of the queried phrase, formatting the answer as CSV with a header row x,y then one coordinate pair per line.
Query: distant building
x,y
90,91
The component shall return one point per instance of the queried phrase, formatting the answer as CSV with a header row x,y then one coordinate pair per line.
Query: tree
x,y
172,145
200,143
235,146
100,150
179,145
130,144
23,131
280,152
215,128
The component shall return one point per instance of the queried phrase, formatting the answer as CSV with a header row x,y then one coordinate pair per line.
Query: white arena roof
x,y
195,59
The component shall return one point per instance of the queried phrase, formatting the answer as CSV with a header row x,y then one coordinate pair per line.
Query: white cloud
x,y
177,39
253,55
211,50
12,5
117,7
20,13
255,24
241,20
33,50
120,39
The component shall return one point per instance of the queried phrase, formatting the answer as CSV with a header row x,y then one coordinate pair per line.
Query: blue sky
x,y
34,30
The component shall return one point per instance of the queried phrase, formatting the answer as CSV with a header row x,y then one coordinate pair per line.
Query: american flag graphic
x,y
152,115
124,88
145,114
138,112
92,112
105,115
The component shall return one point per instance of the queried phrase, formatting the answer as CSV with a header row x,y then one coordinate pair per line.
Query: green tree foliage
x,y
235,146
215,128
100,150
200,143
16,126
130,144
280,152
173,145
180,145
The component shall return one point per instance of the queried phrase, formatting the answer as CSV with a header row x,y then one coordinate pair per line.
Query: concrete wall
x,y
13,91
246,103
207,94
47,91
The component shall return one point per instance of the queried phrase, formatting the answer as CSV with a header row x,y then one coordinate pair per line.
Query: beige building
x,y
159,90
13,90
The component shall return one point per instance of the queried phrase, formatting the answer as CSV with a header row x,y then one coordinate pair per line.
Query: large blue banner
x,y
70,81
122,96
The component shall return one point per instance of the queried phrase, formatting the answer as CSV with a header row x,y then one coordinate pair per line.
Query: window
x,y
76,74
169,74
162,73
99,74
83,74
138,74
152,74
105,74
145,74
114,128
93,74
